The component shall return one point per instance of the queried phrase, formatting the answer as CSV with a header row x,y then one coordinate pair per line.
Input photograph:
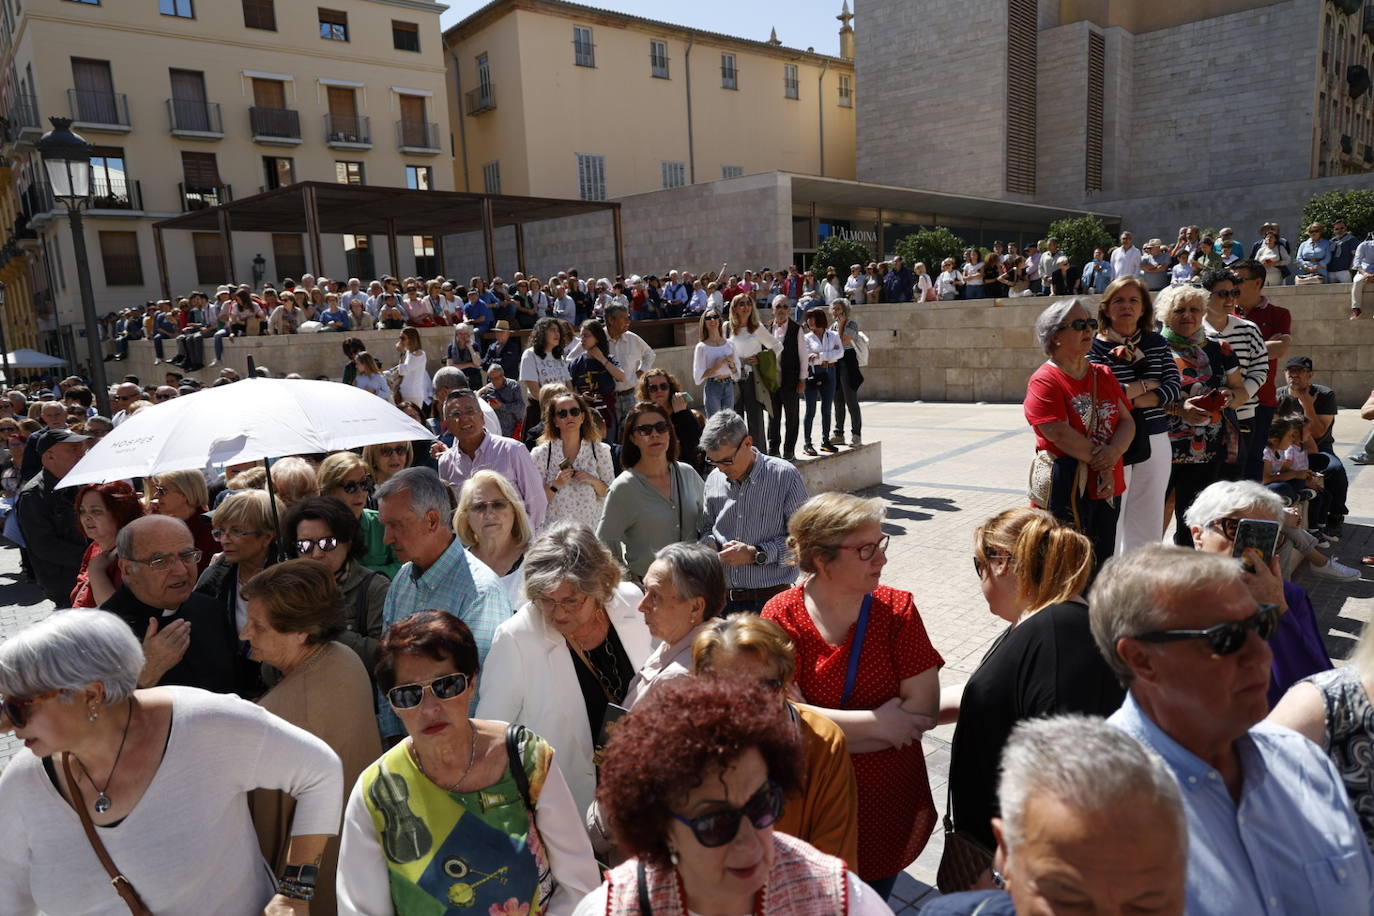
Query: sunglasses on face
x,y
1226,293
389,451
353,486
1079,324
712,318
16,709
980,562
1225,638
408,696
563,413
651,429
659,386
1226,527
720,827
495,505
326,544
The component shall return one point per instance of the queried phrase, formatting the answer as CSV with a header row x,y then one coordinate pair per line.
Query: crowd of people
x,y
554,658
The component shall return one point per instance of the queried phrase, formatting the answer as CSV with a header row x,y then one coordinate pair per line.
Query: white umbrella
x,y
32,359
247,421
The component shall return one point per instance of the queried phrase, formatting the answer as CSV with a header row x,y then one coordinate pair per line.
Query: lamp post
x,y
67,160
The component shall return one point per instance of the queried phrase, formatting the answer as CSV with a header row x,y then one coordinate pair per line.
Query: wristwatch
x,y
760,557
298,882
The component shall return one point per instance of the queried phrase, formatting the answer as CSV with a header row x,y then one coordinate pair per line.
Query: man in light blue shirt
x,y
438,575
1270,826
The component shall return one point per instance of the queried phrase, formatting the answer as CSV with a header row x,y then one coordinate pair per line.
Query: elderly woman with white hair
x,y
567,657
1067,778
1082,423
684,592
95,746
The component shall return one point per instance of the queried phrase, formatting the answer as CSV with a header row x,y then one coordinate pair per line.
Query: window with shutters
x,y
584,52
209,252
791,86
846,92
288,253
1097,74
658,59
591,176
491,177
405,36
179,8
729,76
674,174
348,172
119,257
333,25
199,170
1022,58
731,171
260,14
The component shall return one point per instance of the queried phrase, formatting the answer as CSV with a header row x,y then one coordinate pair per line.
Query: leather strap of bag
x,y
121,884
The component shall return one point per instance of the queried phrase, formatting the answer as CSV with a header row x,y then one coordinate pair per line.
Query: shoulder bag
x,y
547,883
121,884
964,858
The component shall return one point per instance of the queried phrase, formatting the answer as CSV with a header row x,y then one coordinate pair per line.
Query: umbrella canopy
x,y
32,359
247,421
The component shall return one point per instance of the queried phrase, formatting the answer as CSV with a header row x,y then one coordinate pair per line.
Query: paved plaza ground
x,y
946,468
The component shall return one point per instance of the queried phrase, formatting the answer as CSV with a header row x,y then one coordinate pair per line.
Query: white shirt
x,y
630,353
705,355
416,385
854,288
827,349
1126,262
749,343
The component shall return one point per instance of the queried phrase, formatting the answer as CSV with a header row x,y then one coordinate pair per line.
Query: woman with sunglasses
x,y
101,510
463,812
184,495
492,524
692,786
750,338
1082,423
384,460
715,365
566,659
824,350
162,775
575,464
325,530
657,500
294,628
842,621
1033,571
661,387
345,477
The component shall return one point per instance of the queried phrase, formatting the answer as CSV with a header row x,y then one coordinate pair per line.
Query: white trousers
x,y
1142,505
1357,289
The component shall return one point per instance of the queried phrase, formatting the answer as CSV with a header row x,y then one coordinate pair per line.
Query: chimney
x,y
773,38
846,32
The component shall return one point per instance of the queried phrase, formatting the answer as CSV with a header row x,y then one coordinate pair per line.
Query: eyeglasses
x,y
408,696
724,462
189,557
220,534
651,429
563,413
1226,527
1079,324
980,562
353,486
658,386
1226,293
388,451
495,505
16,709
547,605
325,544
866,551
720,827
1225,638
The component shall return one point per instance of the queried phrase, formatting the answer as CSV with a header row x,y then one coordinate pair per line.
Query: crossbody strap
x,y
860,628
120,883
517,763
641,879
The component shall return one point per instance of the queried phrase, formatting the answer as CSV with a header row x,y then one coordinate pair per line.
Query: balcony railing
x,y
275,124
194,117
106,194
418,136
481,99
348,131
23,117
110,109
198,198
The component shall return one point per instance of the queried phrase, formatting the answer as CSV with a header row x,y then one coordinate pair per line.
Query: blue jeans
x,y
973,292
823,387
719,394
1252,455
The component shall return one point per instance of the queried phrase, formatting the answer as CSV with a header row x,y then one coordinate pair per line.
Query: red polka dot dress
x,y
896,811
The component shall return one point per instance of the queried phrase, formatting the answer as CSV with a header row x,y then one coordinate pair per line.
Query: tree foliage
x,y
1356,207
930,247
839,253
1079,236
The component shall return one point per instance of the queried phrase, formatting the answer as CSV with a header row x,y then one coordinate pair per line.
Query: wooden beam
x,y
489,237
161,249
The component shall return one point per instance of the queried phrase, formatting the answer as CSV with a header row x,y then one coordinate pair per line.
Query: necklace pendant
x,y
102,803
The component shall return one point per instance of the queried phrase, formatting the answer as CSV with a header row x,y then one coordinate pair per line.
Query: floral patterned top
x,y
1349,738
576,501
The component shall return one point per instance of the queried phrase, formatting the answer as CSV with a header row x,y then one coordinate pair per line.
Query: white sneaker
x,y
1334,570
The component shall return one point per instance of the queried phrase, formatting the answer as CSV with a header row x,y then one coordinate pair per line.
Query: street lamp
x,y
67,160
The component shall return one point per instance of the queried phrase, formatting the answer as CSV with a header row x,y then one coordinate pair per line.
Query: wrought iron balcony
x,y
99,110
481,99
194,119
348,131
201,198
418,137
281,126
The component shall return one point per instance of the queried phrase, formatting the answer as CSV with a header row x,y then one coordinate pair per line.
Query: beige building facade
x,y
190,103
556,99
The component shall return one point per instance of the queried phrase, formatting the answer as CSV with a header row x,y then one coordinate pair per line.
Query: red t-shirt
x,y
1273,320
1054,396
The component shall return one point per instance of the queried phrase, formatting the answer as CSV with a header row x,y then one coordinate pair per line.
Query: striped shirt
x,y
755,511
457,583
1158,366
1247,342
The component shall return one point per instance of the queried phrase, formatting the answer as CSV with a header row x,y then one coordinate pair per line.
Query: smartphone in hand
x,y
1258,533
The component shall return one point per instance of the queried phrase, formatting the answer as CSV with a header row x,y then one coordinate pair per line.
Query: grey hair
x,y
124,540
69,650
428,493
570,552
780,301
696,572
615,309
1135,592
1227,497
450,377
1170,296
1047,325
725,428
1089,766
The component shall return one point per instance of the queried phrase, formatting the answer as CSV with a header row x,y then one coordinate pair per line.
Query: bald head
x,y
152,539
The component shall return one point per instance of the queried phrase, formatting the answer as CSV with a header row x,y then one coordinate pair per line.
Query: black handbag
x,y
1139,449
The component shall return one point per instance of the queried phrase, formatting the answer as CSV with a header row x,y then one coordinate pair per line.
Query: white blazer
x,y
529,678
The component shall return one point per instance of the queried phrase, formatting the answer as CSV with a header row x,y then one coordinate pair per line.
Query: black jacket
x,y
47,519
219,585
209,659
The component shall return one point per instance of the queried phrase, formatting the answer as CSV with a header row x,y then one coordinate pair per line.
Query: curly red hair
x,y
120,499
683,731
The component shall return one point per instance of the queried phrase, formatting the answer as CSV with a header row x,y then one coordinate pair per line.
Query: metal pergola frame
x,y
316,208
